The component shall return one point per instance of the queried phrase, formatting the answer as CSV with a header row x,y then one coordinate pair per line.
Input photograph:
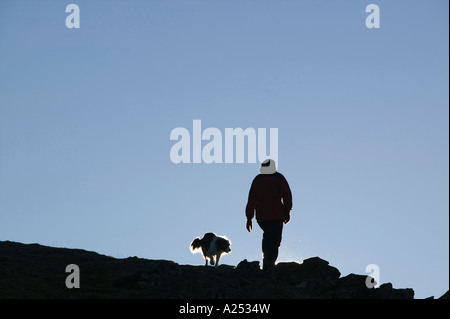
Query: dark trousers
x,y
272,231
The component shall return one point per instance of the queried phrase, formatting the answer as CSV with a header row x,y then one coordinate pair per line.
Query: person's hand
x,y
249,225
287,217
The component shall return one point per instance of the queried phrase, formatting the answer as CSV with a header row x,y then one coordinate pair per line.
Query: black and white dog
x,y
212,246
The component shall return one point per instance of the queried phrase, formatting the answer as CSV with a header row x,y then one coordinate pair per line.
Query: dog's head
x,y
223,244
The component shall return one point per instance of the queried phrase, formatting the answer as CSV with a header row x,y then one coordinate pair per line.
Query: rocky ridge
x,y
36,271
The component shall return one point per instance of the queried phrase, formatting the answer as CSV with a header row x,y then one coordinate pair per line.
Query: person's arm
x,y
250,208
286,194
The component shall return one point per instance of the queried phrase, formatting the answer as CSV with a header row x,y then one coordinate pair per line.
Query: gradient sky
x,y
362,116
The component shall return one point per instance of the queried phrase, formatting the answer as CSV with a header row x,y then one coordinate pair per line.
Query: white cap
x,y
268,167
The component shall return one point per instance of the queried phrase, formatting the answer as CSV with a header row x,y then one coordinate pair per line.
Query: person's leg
x,y
272,234
275,231
265,240
275,239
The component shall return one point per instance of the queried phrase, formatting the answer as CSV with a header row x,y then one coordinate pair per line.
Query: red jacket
x,y
265,197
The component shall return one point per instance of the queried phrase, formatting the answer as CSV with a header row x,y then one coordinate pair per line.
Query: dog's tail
x,y
196,244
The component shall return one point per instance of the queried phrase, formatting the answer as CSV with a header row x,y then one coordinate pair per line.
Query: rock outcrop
x,y
36,271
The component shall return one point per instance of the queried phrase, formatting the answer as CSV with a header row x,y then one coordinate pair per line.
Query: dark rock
x,y
245,266
318,268
352,286
311,268
318,288
35,271
444,296
386,291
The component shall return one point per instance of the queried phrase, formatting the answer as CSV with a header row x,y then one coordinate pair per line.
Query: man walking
x,y
270,197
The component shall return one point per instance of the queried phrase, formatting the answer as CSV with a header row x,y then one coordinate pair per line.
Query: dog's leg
x,y
206,261
217,259
211,260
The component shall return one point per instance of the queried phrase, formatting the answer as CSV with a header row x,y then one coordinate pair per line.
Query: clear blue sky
x,y
362,115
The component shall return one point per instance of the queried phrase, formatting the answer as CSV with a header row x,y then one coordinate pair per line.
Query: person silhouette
x,y
270,199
